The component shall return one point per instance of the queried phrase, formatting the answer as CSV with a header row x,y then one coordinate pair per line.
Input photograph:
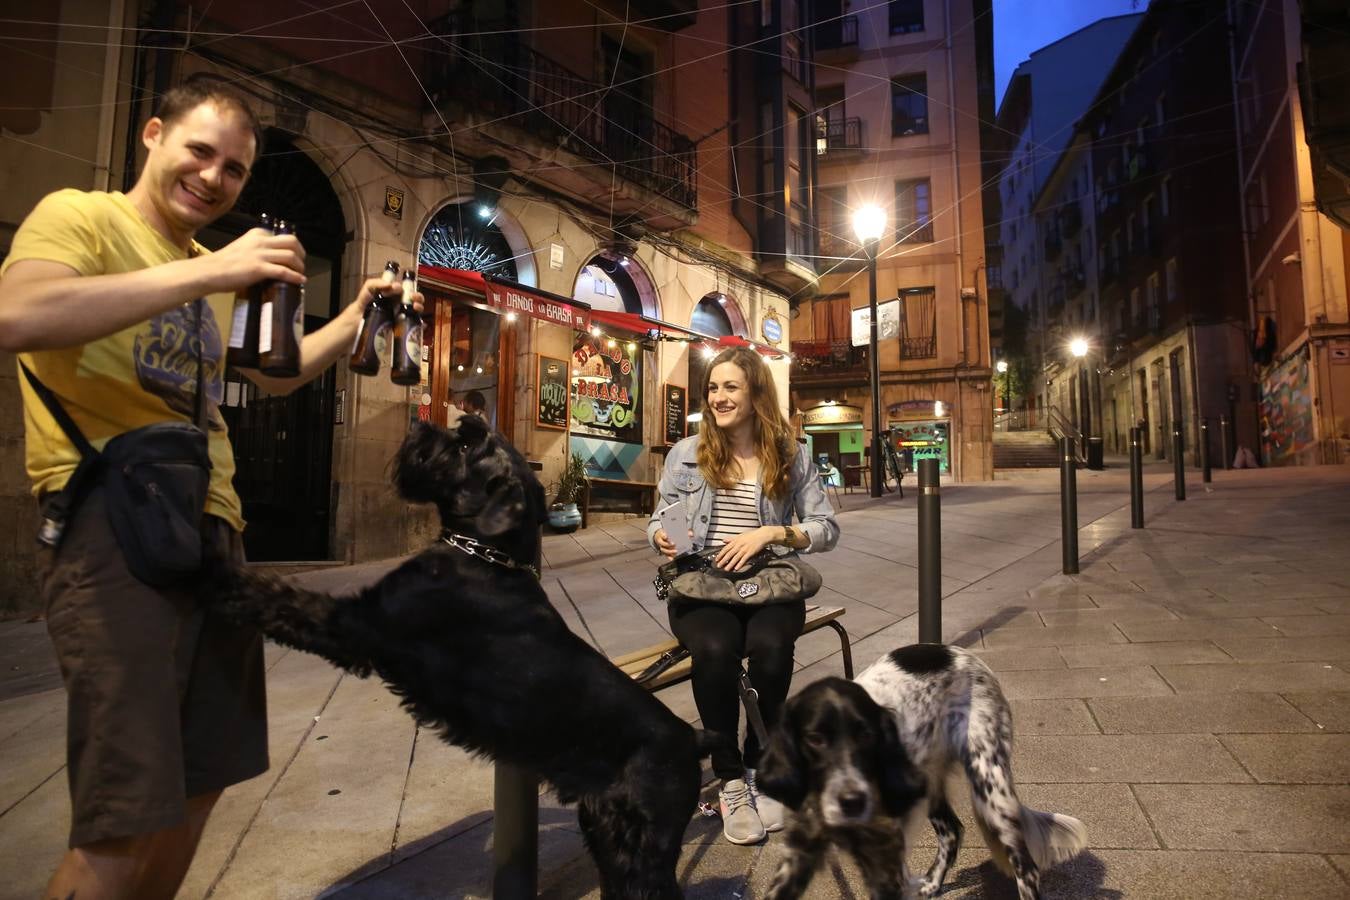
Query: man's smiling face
x,y
196,168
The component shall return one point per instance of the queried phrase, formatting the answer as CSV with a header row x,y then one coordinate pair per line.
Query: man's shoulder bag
x,y
155,481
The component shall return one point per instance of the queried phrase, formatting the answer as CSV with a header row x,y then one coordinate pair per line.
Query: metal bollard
x,y
1136,479
1224,447
930,553
1204,452
1068,505
1178,464
515,833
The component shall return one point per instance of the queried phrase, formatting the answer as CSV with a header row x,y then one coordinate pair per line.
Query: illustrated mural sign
x,y
1286,411
553,379
606,388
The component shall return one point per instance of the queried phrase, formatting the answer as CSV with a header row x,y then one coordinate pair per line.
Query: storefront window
x,y
473,364
607,387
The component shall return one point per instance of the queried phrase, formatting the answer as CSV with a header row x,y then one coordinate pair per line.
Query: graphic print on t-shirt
x,y
166,360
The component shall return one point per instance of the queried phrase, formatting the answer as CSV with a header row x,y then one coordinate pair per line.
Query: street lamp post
x,y
869,222
1079,348
1002,366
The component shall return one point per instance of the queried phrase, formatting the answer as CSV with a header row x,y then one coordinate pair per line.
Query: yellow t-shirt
x,y
141,375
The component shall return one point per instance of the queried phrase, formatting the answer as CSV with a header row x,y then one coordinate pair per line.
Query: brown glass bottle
x,y
372,337
242,351
281,323
405,364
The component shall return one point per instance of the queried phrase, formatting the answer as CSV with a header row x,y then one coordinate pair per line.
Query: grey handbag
x,y
768,578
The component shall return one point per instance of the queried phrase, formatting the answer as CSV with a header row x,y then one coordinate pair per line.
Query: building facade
x,y
564,182
1294,256
902,93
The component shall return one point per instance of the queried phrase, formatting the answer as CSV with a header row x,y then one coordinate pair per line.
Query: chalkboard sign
x,y
676,410
552,393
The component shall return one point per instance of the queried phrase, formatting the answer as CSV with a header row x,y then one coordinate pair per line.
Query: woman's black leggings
x,y
719,636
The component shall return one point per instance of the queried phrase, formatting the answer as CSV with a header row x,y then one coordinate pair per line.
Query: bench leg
x,y
750,700
515,833
846,647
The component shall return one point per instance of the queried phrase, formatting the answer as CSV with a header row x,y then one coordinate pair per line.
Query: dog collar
x,y
465,544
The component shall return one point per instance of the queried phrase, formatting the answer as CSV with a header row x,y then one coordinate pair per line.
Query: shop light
x,y
624,262
479,370
611,343
722,299
709,353
484,211
939,409
510,317
595,331
459,368
631,346
694,417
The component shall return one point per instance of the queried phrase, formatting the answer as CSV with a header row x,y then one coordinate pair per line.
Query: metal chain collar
x,y
472,547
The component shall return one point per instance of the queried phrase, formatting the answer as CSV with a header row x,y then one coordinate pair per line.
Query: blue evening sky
x,y
1023,26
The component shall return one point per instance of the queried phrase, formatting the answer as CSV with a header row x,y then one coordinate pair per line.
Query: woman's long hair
x,y
772,434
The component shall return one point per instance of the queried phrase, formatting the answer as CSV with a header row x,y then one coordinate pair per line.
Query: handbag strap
x,y
59,414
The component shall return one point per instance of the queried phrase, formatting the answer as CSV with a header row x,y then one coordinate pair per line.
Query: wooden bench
x,y
644,492
635,663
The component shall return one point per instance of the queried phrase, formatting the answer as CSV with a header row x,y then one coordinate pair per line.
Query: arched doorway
x,y
283,446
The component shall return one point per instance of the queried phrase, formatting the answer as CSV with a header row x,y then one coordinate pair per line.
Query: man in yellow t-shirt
x,y
99,297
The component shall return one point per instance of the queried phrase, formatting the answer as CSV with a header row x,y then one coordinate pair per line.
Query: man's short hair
x,y
474,400
201,88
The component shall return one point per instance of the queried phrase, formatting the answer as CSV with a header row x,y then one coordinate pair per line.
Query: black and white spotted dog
x,y
863,762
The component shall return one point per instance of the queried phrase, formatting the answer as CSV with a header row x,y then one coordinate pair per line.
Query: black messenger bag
x,y
155,481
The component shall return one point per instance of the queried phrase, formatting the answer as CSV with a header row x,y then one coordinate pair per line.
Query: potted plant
x,y
563,515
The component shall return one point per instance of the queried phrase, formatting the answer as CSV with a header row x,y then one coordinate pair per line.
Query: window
x,y
918,323
909,105
1160,109
1154,292
1173,289
913,212
1129,233
1165,195
835,233
1134,305
906,16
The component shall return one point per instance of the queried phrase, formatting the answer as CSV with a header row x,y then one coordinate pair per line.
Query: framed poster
x,y
552,407
676,406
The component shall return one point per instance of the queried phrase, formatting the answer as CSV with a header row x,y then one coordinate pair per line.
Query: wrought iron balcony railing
x,y
828,357
838,135
837,34
494,71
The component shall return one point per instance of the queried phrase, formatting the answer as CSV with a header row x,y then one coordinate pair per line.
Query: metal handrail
x,y
1059,426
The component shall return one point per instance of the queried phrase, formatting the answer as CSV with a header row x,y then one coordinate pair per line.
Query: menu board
x,y
552,393
677,406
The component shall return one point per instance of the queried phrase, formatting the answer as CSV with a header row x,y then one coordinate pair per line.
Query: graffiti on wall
x,y
1286,411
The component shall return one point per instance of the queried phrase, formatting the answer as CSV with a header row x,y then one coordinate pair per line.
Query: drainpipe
x,y
956,182
1242,210
108,100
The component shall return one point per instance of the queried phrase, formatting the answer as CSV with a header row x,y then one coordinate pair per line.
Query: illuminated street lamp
x,y
868,223
1002,366
1079,348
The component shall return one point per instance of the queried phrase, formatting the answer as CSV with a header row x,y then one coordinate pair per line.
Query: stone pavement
x,y
1187,696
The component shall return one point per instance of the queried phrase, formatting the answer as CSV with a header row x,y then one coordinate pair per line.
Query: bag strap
x,y
59,414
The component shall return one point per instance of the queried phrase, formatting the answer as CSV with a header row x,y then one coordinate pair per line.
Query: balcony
x,y
667,15
829,358
531,106
918,347
787,259
839,137
839,36
839,250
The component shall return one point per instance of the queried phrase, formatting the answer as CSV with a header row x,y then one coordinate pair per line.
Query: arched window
x,y
607,283
458,237
710,317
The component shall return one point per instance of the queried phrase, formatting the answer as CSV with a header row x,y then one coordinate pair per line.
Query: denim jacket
x,y
681,480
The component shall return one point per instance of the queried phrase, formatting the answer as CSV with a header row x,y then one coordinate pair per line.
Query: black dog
x,y
864,762
464,633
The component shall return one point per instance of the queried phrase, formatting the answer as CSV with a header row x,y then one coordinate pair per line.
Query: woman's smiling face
x,y
729,396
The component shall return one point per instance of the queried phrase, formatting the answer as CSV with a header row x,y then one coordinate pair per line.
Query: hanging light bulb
x,y
510,317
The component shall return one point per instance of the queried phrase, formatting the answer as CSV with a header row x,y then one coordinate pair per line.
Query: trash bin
x,y
1094,454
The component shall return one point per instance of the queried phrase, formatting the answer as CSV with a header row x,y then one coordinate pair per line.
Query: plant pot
x,y
564,517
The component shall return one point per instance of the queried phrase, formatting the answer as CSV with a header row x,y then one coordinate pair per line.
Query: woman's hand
x,y
736,552
663,543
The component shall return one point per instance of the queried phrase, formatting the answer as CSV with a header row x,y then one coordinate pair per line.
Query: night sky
x,y
1023,26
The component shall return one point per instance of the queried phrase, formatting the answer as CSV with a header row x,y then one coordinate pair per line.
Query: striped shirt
x,y
734,511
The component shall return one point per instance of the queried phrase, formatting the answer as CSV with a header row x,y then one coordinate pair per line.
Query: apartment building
x,y
565,177
1294,256
903,91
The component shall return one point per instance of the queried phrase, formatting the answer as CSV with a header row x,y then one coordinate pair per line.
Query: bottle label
x,y
413,344
239,323
382,335
265,328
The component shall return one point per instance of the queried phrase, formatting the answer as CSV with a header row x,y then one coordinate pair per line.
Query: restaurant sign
x,y
832,414
512,299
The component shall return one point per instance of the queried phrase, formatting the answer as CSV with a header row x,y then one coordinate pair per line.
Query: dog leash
x,y
470,546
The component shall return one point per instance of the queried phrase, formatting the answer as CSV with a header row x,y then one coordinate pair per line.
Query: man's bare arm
x,y
48,305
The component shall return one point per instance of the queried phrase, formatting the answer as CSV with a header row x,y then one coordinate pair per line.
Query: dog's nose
x,y
852,803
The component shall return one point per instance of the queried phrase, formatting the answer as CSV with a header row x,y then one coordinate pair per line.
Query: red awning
x,y
510,297
642,325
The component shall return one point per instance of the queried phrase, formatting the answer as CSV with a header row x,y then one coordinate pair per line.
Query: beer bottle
x,y
405,366
372,337
242,351
281,323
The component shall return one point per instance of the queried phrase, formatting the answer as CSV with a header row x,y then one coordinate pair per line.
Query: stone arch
x,y
715,306
637,290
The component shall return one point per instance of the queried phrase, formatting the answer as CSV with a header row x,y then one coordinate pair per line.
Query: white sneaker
x,y
740,822
770,810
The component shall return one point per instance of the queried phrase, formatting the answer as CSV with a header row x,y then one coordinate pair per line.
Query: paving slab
x,y
1053,716
1297,676
1142,654
1198,630
1105,681
1228,713
1293,758
1302,649
1260,817
1086,759
1330,710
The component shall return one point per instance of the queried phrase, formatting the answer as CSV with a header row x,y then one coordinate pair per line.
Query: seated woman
x,y
742,478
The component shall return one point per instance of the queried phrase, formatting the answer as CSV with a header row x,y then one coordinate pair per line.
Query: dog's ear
x,y
503,508
782,770
902,784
